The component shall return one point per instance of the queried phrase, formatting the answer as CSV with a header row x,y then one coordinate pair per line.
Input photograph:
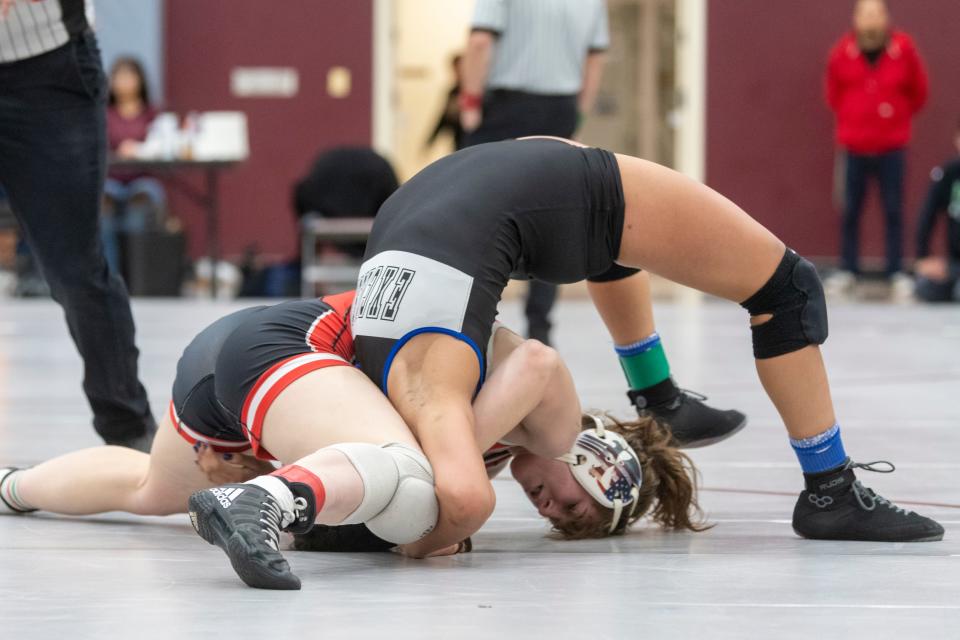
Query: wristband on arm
x,y
469,101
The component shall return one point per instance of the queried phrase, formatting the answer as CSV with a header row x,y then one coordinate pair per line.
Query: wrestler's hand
x,y
5,8
411,550
225,468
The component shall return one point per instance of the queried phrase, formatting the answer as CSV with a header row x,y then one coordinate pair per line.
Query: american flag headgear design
x,y
608,468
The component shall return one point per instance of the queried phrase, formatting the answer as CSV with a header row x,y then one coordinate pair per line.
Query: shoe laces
x,y
693,394
682,396
867,497
274,518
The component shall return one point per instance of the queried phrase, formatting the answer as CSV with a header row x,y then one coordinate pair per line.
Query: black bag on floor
x,y
154,263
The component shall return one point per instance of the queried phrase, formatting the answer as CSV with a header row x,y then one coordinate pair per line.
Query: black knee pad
x,y
615,272
794,296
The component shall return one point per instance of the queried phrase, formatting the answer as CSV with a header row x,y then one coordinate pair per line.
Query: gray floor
x,y
896,375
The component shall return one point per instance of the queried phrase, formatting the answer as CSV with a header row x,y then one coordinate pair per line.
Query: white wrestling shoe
x,y
9,501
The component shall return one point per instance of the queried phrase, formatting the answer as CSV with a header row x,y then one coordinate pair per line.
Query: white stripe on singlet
x,y
260,391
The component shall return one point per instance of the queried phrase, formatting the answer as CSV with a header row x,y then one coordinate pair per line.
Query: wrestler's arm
x,y
529,400
431,384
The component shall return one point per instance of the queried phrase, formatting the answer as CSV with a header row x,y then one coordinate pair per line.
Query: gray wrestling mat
x,y
896,380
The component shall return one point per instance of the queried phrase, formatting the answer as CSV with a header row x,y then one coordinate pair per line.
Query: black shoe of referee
x,y
245,520
835,506
692,422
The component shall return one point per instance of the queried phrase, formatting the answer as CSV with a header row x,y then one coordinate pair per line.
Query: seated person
x,y
132,201
938,278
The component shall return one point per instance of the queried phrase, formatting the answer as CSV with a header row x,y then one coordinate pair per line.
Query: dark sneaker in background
x,y
692,422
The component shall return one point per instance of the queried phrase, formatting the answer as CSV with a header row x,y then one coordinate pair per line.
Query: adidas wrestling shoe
x,y
692,422
245,520
835,506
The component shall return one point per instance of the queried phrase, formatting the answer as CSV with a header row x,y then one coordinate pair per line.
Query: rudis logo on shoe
x,y
821,502
226,496
833,483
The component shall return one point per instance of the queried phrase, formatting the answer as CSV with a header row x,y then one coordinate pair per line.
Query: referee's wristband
x,y
469,101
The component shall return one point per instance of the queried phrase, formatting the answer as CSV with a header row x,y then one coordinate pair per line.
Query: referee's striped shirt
x,y
542,44
33,27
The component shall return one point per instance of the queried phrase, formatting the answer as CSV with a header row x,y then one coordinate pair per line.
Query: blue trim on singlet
x,y
449,332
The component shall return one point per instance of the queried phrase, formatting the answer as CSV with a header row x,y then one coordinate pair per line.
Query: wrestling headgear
x,y
608,468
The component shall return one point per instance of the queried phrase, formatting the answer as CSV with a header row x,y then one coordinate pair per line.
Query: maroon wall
x,y
770,133
205,39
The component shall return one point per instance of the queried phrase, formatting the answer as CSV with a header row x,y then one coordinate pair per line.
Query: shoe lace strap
x,y
275,518
693,394
867,497
872,466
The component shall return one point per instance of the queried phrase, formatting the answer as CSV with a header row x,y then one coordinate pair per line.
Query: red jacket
x,y
873,104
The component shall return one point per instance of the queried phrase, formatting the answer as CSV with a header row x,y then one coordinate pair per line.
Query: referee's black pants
x,y
514,114
52,164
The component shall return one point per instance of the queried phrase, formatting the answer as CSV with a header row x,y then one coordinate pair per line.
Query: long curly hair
x,y
668,495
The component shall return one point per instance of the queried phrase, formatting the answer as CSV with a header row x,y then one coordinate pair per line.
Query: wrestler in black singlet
x,y
445,244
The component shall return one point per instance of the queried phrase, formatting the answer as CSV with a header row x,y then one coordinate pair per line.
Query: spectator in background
x,y
938,278
532,67
876,83
450,116
132,201
52,153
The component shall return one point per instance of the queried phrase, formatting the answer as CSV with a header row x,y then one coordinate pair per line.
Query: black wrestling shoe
x,y
348,538
835,506
245,520
692,422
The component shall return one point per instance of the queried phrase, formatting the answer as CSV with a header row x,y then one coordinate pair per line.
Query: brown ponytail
x,y
669,491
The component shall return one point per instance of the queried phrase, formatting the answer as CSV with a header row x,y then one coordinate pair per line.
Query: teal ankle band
x,y
645,367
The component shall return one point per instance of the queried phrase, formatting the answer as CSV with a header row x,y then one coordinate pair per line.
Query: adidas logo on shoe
x,y
226,496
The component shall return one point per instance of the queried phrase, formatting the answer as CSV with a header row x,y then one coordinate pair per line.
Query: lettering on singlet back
x,y
380,292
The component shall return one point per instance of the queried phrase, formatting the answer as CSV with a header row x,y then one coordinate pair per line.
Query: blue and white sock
x,y
821,452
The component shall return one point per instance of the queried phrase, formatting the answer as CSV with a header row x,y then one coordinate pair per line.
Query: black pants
x,y
52,163
889,170
514,114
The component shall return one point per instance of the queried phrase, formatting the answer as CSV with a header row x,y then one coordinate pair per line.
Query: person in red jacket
x,y
876,83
